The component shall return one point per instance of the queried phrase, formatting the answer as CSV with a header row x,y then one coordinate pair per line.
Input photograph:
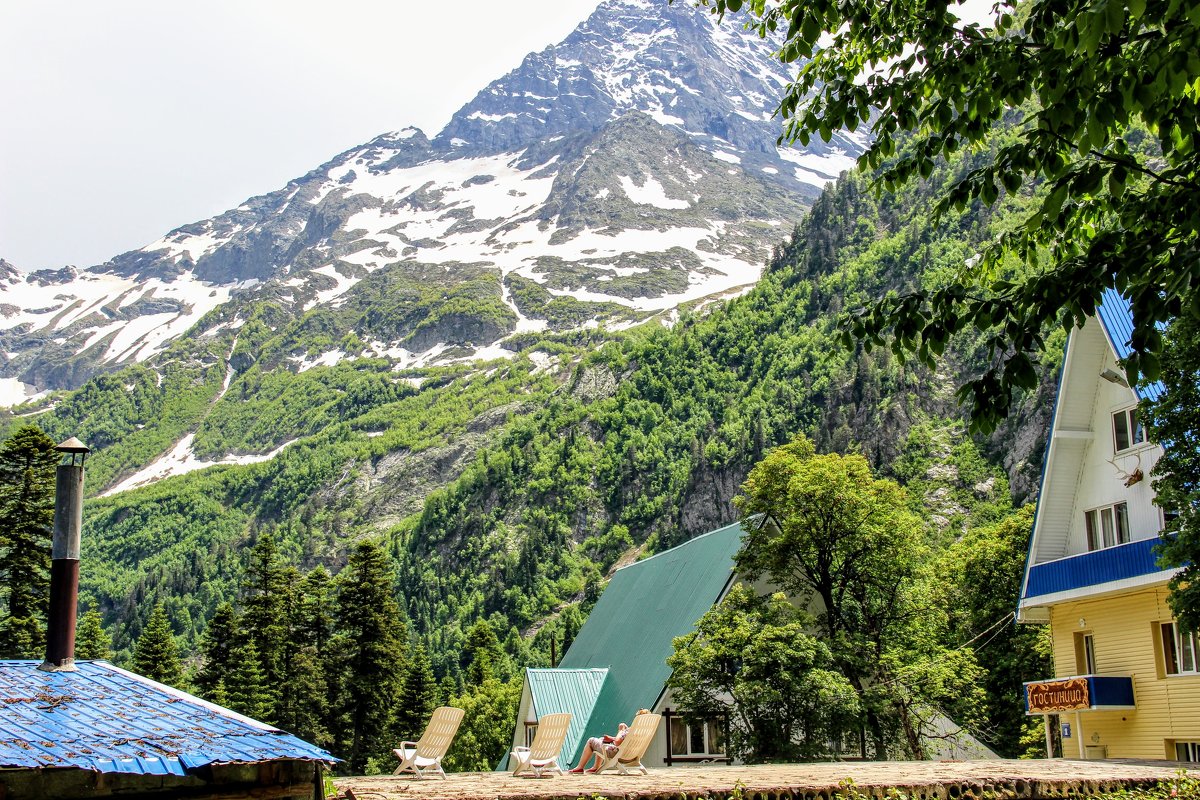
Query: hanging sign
x,y
1049,697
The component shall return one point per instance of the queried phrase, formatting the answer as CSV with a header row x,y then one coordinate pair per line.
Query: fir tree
x,y
91,640
308,689
371,653
156,654
27,466
418,696
304,707
482,653
314,624
310,680
264,619
218,695
245,683
216,650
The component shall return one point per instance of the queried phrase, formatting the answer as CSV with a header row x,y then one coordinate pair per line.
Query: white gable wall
x,y
1079,476
1103,483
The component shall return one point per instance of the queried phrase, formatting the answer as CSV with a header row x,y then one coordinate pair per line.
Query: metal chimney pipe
x,y
64,564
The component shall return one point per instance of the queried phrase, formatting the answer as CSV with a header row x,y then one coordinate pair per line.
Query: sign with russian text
x,y
1049,697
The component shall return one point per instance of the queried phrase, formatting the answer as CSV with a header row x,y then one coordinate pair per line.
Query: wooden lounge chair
x,y
542,755
426,755
635,744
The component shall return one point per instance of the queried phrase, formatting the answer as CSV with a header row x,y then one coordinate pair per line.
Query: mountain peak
x,y
612,176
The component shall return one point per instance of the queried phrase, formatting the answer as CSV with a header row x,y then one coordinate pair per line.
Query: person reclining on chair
x,y
602,748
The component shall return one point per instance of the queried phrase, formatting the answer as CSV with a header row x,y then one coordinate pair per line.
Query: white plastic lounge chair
x,y
426,755
635,744
542,755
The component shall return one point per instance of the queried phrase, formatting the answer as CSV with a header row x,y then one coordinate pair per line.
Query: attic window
x,y
1107,526
1128,431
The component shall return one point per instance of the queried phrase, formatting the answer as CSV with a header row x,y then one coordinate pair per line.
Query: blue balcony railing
x,y
1103,692
1129,560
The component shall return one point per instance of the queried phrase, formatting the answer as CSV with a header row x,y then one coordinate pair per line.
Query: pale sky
x,y
123,119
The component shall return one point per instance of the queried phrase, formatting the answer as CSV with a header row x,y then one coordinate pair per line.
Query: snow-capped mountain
x,y
627,170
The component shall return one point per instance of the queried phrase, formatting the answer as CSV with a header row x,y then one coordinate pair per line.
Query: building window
x,y
1107,526
1127,430
1187,751
1085,654
1180,650
697,737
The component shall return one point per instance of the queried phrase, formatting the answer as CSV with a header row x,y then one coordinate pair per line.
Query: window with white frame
x,y
697,737
1107,526
1128,431
1187,751
1180,650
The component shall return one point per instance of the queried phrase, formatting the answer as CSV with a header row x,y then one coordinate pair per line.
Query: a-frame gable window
x,y
1128,431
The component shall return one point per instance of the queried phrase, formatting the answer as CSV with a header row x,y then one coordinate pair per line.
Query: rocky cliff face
x,y
611,177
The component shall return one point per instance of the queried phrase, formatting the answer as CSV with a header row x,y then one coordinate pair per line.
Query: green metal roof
x,y
644,607
554,691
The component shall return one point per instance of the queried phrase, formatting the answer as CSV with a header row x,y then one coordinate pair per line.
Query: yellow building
x,y
1126,679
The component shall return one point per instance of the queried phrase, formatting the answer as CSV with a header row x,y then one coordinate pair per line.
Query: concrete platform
x,y
917,780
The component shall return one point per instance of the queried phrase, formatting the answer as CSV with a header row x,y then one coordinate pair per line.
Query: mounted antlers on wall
x,y
1131,477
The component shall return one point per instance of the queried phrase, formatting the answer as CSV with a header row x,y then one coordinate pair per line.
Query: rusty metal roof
x,y
105,719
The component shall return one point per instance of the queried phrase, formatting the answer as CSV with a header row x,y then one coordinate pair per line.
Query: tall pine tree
x,y
371,638
304,707
216,651
91,640
156,654
245,683
482,655
27,463
418,696
264,616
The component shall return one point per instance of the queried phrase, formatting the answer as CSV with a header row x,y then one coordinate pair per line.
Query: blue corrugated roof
x,y
1116,317
555,691
105,719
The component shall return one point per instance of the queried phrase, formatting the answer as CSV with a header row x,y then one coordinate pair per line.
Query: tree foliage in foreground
x,y
1174,419
788,699
1106,96
836,534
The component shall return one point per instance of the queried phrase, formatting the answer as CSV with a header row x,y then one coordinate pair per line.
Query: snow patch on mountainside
x,y
95,305
181,460
650,193
818,170
13,392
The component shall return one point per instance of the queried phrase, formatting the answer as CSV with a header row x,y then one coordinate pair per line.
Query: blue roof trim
x,y
1116,317
105,719
1131,560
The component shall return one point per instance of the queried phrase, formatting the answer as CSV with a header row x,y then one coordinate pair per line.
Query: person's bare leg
x,y
584,759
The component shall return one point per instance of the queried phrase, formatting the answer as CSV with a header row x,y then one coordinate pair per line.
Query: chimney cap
x,y
73,445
